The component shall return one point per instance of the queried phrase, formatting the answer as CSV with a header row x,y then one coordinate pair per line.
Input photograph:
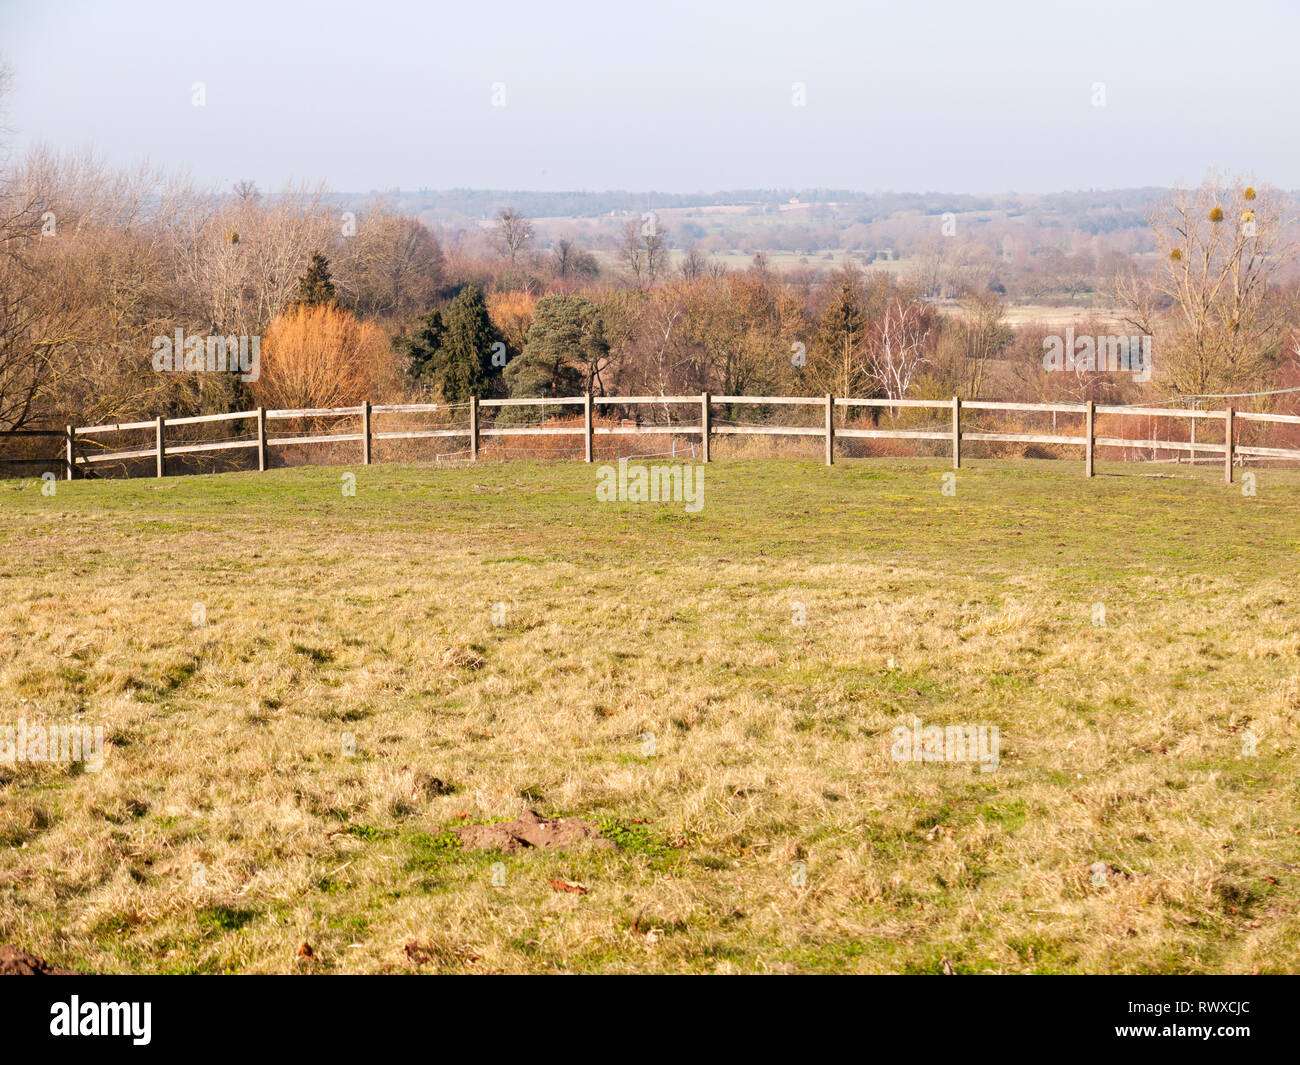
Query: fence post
x,y
586,422
70,435
261,439
956,432
1228,446
162,450
1091,435
704,427
473,427
365,433
830,429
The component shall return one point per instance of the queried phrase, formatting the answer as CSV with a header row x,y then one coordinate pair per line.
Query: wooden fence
x,y
75,438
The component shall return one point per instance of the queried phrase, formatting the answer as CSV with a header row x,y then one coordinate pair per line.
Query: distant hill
x,y
1091,211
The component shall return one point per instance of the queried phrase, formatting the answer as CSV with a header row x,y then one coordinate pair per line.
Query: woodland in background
x,y
96,263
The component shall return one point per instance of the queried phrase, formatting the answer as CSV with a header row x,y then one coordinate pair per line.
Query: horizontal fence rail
x,y
78,441
28,434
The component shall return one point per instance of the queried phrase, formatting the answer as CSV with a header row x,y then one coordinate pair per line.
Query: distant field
x,y
825,260
1047,314
789,260
782,261
716,691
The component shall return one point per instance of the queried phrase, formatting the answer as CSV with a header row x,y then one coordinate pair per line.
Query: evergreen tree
x,y
463,364
316,286
839,344
422,346
565,348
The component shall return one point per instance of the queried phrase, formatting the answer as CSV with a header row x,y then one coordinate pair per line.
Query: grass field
x,y
288,771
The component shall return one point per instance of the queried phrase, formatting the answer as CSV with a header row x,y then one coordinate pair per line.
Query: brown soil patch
x,y
15,962
531,830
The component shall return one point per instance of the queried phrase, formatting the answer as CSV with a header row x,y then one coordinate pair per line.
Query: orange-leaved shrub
x,y
322,356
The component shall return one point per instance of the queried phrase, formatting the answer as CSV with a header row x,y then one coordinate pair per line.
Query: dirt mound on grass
x,y
15,962
531,830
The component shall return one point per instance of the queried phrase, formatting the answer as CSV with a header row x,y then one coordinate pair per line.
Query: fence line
x,y
22,434
704,428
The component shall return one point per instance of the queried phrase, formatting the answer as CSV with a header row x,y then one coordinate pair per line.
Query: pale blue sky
x,y
676,97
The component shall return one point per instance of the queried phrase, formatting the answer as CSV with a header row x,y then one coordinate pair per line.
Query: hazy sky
x,y
675,97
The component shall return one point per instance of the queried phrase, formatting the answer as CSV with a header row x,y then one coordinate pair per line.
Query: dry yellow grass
x,y
280,774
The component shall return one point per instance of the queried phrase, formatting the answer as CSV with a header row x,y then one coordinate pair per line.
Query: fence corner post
x,y
365,433
1091,435
261,439
1229,445
705,427
956,432
830,429
162,449
70,438
473,427
586,423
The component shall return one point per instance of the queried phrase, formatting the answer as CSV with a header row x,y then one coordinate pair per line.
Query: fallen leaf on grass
x,y
424,953
419,954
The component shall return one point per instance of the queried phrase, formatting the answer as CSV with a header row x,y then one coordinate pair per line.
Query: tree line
x,y
97,263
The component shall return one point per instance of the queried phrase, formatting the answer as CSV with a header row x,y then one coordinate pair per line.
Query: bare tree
x,y
6,86
985,333
88,290
392,267
513,233
23,364
1221,246
643,249
569,260
656,253
896,344
694,264
931,270
244,259
632,252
